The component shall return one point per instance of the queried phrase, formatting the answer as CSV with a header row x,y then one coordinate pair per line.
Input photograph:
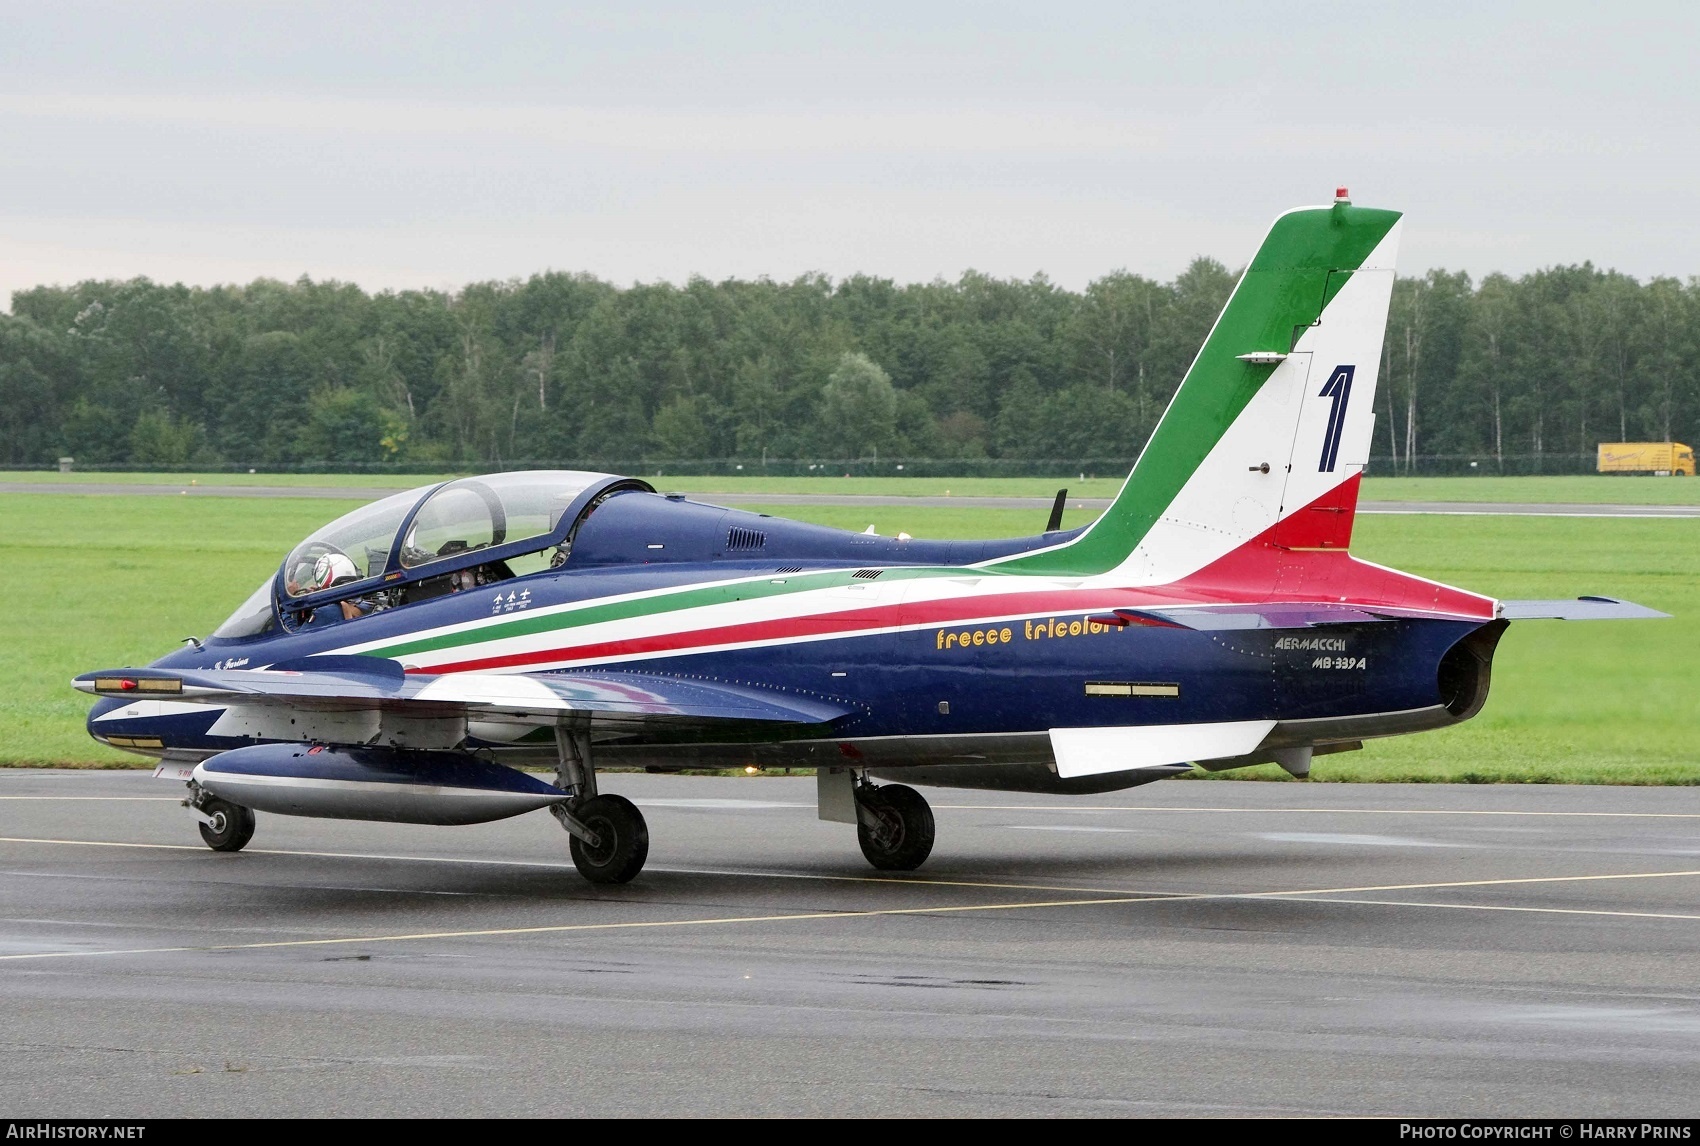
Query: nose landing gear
x,y
894,825
227,827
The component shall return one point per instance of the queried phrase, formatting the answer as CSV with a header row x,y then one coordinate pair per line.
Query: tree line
x,y
1512,374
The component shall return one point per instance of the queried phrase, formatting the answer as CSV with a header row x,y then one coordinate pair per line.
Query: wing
x,y
370,700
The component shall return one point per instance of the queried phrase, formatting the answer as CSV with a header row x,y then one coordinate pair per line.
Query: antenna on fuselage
x,y
1056,511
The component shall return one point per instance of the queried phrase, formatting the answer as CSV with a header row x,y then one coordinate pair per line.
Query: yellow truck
x,y
1665,459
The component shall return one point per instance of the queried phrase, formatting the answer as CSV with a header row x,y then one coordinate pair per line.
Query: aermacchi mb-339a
x,y
407,661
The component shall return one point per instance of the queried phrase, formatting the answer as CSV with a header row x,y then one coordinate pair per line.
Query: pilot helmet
x,y
332,568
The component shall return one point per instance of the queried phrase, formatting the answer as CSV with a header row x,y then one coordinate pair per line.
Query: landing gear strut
x,y
610,841
894,825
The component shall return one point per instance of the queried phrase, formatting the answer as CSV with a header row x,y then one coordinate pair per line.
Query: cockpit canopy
x,y
362,539
483,512
505,525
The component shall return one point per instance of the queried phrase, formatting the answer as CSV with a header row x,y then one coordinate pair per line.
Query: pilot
x,y
331,570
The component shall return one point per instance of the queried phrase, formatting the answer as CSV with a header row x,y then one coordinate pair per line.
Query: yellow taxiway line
x,y
921,881
550,929
561,866
1291,898
1478,883
1099,899
1083,809
117,799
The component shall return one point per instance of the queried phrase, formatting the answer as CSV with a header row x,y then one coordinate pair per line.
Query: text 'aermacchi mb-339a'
x,y
408,660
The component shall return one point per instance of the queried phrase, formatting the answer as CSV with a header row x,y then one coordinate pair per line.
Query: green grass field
x,y
100,582
1582,489
361,481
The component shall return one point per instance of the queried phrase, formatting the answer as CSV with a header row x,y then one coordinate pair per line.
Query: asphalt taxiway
x,y
1183,948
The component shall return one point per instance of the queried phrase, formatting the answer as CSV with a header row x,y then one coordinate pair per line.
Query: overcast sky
x,y
426,144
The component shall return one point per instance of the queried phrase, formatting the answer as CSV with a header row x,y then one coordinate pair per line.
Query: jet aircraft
x,y
406,661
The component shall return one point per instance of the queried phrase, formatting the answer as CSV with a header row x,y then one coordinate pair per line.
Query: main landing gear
x,y
610,841
894,825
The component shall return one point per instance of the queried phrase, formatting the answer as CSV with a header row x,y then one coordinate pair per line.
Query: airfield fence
x,y
1423,465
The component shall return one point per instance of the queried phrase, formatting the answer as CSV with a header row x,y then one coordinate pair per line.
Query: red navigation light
x,y
127,685
1341,194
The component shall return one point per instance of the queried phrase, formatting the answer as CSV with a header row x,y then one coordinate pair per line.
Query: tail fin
x,y
1274,415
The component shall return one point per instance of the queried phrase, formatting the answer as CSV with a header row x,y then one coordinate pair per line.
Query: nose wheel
x,y
894,825
228,827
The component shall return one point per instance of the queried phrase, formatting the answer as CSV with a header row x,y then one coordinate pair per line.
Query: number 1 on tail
x,y
1339,388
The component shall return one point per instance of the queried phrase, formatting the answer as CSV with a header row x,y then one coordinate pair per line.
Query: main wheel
x,y
901,837
231,826
623,840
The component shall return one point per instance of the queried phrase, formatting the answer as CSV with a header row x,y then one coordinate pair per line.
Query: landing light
x,y
137,684
751,770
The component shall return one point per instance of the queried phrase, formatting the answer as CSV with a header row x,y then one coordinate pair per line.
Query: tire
x,y
624,838
907,823
231,828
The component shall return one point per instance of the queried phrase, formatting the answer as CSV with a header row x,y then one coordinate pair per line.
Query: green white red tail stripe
x,y
1250,436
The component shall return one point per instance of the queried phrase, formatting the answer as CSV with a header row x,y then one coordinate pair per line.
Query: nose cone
x,y
150,725
102,707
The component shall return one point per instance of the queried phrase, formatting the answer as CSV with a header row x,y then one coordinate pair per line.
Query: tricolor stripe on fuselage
x,y
754,612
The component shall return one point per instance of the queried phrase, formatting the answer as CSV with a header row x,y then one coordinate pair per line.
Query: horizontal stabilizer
x,y
1580,609
1093,751
1212,618
1271,615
